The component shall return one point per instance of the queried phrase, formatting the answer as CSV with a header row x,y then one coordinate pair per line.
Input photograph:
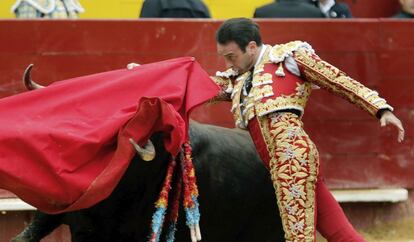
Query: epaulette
x,y
278,53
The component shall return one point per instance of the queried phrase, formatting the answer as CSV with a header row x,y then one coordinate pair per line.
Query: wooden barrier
x,y
355,151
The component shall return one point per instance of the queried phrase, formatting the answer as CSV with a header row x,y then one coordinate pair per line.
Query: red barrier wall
x,y
355,151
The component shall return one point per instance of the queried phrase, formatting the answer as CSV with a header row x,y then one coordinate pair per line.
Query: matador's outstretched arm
x,y
331,78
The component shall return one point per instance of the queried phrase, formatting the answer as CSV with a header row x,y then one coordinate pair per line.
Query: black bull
x,y
237,201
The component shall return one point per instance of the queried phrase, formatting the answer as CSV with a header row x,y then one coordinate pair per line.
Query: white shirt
x,y
326,6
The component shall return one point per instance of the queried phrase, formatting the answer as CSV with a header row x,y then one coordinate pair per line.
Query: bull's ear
x,y
27,80
147,153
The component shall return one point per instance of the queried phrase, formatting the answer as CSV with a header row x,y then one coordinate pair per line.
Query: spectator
x,y
174,9
407,9
288,9
332,9
47,9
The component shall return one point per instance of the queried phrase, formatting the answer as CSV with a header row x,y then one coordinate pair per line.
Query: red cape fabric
x,y
65,147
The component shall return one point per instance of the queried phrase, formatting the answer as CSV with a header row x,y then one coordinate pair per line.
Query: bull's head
x,y
146,153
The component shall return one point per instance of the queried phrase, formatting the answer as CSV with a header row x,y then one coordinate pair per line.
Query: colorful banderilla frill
x,y
162,204
184,184
175,207
190,194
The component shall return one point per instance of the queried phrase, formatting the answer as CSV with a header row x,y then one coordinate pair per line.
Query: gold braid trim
x,y
241,121
295,100
294,168
264,79
331,78
223,83
278,53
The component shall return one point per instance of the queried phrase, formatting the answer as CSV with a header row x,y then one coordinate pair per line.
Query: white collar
x,y
328,5
262,51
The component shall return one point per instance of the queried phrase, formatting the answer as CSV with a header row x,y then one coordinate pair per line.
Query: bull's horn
x,y
28,83
147,153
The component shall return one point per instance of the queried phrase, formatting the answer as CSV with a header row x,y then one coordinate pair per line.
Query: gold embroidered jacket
x,y
274,88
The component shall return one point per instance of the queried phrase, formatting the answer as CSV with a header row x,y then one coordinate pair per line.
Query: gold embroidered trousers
x,y
293,161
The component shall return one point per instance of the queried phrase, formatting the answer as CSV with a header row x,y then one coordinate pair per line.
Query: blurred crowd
x,y
56,9
198,9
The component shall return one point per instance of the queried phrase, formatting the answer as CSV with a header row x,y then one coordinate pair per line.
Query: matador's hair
x,y
239,30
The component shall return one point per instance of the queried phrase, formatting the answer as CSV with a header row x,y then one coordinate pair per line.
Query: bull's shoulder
x,y
211,139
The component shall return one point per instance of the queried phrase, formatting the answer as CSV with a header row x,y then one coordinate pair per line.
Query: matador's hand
x,y
389,118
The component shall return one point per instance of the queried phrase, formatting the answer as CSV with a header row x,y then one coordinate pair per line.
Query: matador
x,y
269,87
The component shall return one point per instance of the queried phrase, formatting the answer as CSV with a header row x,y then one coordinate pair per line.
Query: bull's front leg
x,y
40,226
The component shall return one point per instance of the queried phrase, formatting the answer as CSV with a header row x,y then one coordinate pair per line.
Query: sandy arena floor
x,y
399,231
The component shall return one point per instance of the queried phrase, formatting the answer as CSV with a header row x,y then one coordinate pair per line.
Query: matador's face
x,y
237,59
